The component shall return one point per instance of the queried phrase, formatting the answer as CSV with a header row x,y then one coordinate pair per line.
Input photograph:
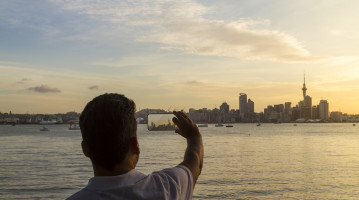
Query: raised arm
x,y
193,157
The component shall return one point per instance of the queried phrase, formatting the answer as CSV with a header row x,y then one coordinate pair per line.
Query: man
x,y
108,128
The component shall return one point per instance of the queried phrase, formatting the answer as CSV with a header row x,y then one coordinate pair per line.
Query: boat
x,y
202,125
52,121
354,124
259,124
219,125
294,124
44,129
74,126
229,125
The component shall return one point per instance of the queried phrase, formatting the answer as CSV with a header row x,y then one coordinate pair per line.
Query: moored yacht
x,y
202,125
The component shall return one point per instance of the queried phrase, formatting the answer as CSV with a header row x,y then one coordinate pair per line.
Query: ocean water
x,y
272,161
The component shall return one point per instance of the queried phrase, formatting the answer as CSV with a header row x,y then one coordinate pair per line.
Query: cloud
x,y
234,39
139,12
22,82
194,82
94,87
342,60
44,89
182,25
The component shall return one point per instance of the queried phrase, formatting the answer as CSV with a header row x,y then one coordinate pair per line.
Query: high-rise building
x,y
300,104
315,112
287,111
287,106
323,110
250,106
224,108
336,116
279,108
243,106
306,112
308,101
295,113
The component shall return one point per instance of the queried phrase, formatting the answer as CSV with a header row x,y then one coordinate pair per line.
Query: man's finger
x,y
177,122
182,117
185,116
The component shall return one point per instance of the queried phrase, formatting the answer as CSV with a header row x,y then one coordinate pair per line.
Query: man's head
x,y
108,126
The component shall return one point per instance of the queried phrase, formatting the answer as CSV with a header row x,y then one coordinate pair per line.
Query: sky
x,y
56,55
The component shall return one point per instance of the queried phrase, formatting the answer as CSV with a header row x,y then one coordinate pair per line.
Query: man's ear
x,y
135,146
84,148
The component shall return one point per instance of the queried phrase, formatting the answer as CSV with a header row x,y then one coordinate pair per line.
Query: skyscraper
x,y
250,106
243,106
308,101
323,110
224,108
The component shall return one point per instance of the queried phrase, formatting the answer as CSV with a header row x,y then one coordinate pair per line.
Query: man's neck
x,y
121,168
99,171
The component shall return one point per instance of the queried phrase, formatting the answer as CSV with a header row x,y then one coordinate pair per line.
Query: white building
x,y
324,110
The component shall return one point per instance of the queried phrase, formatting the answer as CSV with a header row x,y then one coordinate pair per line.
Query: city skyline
x,y
57,55
247,105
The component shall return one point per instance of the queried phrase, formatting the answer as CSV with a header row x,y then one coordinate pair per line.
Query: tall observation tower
x,y
304,89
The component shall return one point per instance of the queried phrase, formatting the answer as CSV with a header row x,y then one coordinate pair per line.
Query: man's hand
x,y
187,128
193,157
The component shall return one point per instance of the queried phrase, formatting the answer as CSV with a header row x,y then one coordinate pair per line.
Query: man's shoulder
x,y
82,194
177,178
179,171
169,183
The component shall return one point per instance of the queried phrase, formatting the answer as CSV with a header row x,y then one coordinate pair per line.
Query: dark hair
x,y
107,125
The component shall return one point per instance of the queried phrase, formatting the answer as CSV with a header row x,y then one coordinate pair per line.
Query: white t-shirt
x,y
171,183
